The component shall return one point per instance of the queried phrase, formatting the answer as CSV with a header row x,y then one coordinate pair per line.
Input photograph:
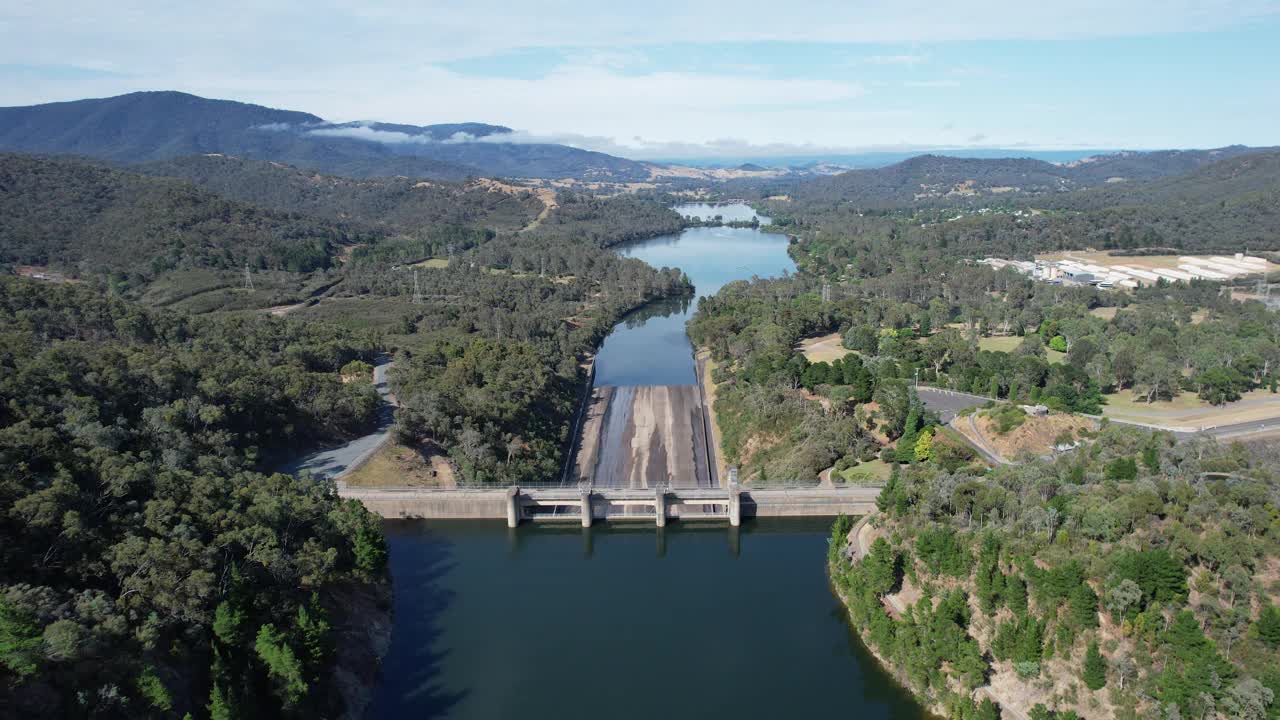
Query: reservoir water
x,y
627,622
650,347
624,623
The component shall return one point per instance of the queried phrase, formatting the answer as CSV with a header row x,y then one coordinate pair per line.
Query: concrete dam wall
x,y
494,504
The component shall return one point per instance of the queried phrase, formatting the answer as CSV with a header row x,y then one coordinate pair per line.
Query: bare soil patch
x,y
1035,436
823,349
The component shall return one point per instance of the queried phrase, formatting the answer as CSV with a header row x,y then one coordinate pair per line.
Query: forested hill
x,y
94,220
403,203
1226,206
150,126
941,180
146,569
1131,580
1229,181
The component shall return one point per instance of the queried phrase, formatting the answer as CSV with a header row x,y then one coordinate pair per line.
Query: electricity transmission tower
x,y
248,278
417,289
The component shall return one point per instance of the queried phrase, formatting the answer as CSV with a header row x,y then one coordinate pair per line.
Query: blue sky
x,y
698,79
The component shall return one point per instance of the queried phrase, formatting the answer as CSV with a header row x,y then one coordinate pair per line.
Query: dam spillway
x,y
644,436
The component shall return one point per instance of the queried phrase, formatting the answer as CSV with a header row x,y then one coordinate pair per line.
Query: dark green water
x,y
623,622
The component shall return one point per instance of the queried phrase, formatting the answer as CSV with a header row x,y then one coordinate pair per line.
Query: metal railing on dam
x,y
586,504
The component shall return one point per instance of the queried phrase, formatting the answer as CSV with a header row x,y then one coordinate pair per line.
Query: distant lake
x,y
728,211
650,346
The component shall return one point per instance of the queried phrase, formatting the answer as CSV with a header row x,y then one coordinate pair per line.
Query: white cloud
x,y
383,59
363,132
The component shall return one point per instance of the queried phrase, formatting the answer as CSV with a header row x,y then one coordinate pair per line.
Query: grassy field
x,y
434,263
1009,343
872,471
1125,402
398,466
1189,410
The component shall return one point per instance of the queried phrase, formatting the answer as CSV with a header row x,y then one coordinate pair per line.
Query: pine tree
x,y
905,451
314,628
228,624
912,424
1268,626
282,664
370,549
1016,595
889,493
881,567
1095,668
222,704
1084,606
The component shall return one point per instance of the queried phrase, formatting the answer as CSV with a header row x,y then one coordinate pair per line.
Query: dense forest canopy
x,y
406,205
91,220
609,221
148,568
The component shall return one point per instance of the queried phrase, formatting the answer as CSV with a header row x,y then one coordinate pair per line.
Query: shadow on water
x,y
878,685
421,601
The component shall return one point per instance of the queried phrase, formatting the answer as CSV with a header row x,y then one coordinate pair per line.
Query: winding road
x,y
333,463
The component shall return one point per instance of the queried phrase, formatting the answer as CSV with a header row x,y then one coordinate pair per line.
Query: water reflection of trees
x,y
659,309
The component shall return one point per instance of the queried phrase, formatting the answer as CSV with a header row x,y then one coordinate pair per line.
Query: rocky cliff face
x,y
362,633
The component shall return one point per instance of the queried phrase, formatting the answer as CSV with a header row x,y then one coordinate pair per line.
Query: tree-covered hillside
x,y
1134,578
404,204
147,567
90,220
609,221
939,180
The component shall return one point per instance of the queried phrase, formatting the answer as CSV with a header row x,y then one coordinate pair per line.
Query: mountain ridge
x,y
163,125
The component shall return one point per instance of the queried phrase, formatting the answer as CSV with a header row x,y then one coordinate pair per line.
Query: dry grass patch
x,y
397,466
434,263
823,349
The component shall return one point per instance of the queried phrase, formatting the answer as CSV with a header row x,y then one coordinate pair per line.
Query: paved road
x,y
337,461
948,403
